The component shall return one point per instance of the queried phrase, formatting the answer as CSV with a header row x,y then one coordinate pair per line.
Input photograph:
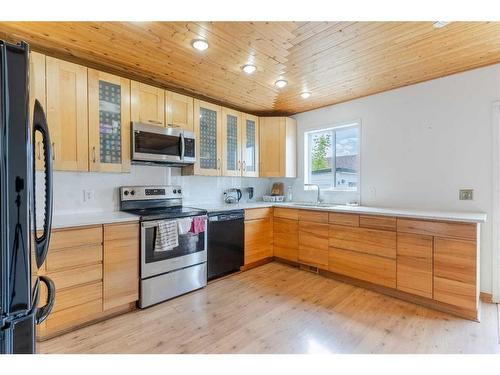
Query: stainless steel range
x,y
173,242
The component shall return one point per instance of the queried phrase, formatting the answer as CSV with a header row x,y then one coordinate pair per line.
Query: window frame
x,y
308,155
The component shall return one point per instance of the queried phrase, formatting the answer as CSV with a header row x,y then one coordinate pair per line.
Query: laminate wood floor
x,y
276,308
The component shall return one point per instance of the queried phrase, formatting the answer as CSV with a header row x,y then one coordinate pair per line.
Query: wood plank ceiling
x,y
335,61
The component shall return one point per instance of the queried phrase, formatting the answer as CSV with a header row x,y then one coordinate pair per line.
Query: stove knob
x,y
174,191
132,192
179,191
125,192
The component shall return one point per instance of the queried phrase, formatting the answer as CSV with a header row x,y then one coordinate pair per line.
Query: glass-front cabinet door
x,y
231,142
109,122
209,140
250,146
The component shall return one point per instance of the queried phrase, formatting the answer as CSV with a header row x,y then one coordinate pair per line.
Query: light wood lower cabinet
x,y
313,244
258,235
371,268
432,262
94,269
414,264
121,265
369,241
455,272
286,239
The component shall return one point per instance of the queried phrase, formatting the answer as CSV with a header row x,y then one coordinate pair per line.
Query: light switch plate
x,y
466,194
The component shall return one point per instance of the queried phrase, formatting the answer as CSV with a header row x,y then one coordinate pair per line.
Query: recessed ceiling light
x,y
199,44
249,68
440,24
280,83
305,94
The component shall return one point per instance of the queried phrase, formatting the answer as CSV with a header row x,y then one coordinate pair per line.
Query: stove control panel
x,y
128,193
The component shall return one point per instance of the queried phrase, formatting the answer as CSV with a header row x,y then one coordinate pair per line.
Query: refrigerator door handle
x,y
43,312
42,241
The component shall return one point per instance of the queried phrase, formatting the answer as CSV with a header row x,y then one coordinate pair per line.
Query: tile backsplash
x,y
70,188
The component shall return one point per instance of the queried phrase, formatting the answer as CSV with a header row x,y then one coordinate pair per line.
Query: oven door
x,y
156,144
191,250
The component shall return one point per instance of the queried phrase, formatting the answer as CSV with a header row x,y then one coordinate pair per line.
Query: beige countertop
x,y
471,217
88,218
94,218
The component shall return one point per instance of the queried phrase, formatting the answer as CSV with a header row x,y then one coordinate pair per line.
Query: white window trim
x,y
307,147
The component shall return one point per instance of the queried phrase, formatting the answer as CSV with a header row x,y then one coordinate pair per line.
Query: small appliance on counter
x,y
250,192
225,242
277,193
173,239
232,196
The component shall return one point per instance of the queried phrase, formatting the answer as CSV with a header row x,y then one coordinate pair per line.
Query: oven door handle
x,y
152,224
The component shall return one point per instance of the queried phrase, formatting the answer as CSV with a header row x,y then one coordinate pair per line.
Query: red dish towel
x,y
198,224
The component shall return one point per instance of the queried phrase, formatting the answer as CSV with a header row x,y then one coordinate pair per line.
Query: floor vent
x,y
312,269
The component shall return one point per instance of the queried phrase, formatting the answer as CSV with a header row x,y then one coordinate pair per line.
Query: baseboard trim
x,y
111,313
258,263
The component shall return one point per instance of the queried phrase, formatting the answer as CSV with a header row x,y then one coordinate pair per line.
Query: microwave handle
x,y
183,146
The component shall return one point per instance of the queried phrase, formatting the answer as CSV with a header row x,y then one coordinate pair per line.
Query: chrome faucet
x,y
318,198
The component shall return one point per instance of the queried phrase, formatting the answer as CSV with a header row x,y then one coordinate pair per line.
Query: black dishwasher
x,y
225,250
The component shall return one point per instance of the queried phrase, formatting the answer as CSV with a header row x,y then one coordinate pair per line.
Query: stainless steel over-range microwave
x,y
158,145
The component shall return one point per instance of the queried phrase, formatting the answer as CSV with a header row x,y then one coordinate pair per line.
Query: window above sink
x,y
331,157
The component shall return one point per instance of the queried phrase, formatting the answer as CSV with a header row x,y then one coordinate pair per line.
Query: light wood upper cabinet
x,y
208,133
121,265
231,142
250,145
179,111
37,91
109,122
67,115
147,104
278,147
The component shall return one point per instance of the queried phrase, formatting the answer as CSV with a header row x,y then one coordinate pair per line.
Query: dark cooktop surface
x,y
166,212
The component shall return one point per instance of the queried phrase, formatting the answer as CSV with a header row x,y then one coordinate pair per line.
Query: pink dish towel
x,y
198,224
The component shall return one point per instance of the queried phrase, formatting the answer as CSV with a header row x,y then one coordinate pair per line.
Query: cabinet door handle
x,y
53,152
93,154
244,166
155,122
239,165
218,164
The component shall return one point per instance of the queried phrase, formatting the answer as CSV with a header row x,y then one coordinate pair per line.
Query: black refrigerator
x,y
22,249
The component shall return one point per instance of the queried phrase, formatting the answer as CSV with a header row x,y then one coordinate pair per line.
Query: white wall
x,y
69,188
420,144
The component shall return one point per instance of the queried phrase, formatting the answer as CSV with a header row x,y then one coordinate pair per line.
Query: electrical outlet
x,y
466,194
88,195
